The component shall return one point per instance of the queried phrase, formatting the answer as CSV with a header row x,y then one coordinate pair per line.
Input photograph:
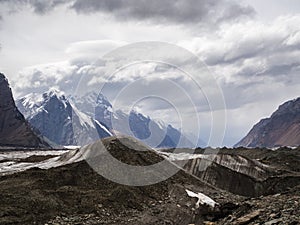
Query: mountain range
x,y
281,129
82,120
43,120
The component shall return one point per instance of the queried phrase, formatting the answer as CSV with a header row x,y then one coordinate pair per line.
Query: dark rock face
x,y
143,127
281,129
150,131
14,129
139,125
103,111
172,138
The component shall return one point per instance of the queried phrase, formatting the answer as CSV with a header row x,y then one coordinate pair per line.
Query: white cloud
x,y
204,12
40,78
256,63
93,49
239,41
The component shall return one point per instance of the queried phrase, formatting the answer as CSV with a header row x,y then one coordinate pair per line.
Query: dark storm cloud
x,y
42,7
39,6
176,11
166,11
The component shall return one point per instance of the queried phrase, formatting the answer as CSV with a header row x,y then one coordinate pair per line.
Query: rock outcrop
x,y
14,129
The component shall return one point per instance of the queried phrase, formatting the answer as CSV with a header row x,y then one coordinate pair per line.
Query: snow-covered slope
x,y
59,120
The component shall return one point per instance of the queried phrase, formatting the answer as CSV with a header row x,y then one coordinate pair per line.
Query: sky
x,y
249,54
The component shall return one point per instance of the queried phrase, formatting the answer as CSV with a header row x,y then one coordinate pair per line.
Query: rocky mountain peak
x,y
2,77
102,100
5,94
54,93
33,103
281,129
14,129
60,120
291,107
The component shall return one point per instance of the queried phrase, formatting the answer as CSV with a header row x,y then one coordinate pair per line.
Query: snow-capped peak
x,y
33,103
139,114
53,92
36,99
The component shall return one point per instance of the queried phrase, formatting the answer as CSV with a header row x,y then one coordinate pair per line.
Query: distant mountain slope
x,y
281,129
153,133
14,129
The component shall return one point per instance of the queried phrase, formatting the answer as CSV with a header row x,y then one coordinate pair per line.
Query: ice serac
x,y
60,120
14,129
281,129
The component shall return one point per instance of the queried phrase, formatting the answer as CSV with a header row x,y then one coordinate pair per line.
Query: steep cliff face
x,y
281,129
14,129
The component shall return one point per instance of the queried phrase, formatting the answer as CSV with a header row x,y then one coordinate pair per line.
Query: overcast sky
x,y
251,48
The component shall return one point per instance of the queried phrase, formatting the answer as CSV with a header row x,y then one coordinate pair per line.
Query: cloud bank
x,y
167,11
174,11
256,63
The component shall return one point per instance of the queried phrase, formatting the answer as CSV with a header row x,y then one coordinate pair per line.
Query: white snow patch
x,y
13,166
35,102
32,100
160,124
184,156
84,119
103,127
202,199
13,155
72,147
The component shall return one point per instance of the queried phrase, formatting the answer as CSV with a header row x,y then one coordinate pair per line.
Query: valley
x,y
61,188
